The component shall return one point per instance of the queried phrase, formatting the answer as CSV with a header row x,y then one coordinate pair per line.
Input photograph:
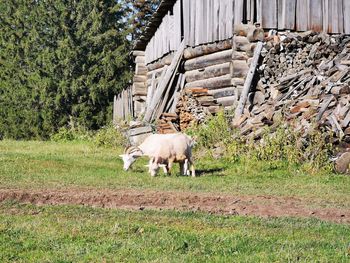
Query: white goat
x,y
163,150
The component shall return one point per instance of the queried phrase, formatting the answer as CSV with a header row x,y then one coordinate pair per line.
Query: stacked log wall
x,y
139,86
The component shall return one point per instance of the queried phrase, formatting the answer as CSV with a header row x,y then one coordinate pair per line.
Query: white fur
x,y
163,150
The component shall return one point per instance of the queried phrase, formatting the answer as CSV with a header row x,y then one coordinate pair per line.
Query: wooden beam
x,y
165,82
248,81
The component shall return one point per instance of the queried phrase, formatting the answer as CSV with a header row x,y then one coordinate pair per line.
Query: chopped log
x,y
208,60
193,52
137,53
252,32
243,44
140,59
139,78
227,101
324,107
166,61
224,92
248,81
238,69
336,125
237,55
294,76
258,98
139,85
209,72
346,121
140,69
212,83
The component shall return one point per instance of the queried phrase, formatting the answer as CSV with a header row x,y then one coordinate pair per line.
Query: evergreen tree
x,y
142,11
60,61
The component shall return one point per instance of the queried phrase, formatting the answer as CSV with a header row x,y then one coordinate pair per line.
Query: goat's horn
x,y
131,149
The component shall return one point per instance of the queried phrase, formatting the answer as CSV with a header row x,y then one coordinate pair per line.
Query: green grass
x,y
79,234
35,165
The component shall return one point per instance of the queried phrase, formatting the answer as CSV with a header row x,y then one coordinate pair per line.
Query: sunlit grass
x,y
35,165
79,234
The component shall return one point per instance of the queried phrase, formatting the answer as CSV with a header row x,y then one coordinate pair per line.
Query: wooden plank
x,y
204,32
140,130
346,8
238,11
192,28
248,11
286,14
177,24
269,14
324,107
186,21
210,21
315,15
337,17
333,16
258,11
302,15
165,81
198,24
248,81
222,26
177,95
216,21
229,22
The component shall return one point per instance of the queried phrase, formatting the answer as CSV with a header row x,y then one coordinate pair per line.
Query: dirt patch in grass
x,y
262,206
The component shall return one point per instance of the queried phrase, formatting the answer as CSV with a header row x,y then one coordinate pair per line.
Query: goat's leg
x,y
193,172
165,169
170,165
186,171
182,171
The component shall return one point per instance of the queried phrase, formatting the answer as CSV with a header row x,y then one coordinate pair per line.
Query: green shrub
x,y
280,147
72,134
216,130
109,136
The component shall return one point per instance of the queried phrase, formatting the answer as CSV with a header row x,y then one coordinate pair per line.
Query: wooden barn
x,y
206,48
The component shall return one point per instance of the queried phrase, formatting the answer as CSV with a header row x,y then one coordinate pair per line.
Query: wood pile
x,y
304,79
168,123
193,107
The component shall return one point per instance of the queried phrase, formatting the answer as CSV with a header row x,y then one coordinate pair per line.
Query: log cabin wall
x,y
208,25
207,21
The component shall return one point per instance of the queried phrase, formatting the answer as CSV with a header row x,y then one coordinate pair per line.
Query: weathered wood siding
x,y
167,37
207,21
123,108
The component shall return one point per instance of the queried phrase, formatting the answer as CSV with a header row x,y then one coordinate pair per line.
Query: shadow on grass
x,y
211,172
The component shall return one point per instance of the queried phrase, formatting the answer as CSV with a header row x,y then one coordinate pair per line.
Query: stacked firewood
x,y
305,79
192,107
168,123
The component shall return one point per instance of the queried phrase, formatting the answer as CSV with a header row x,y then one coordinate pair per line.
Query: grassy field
x,y
34,165
76,234
80,234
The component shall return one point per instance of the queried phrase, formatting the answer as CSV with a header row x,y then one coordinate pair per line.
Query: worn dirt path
x,y
263,206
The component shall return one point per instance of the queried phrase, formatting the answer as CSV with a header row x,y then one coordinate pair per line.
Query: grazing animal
x,y
163,150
